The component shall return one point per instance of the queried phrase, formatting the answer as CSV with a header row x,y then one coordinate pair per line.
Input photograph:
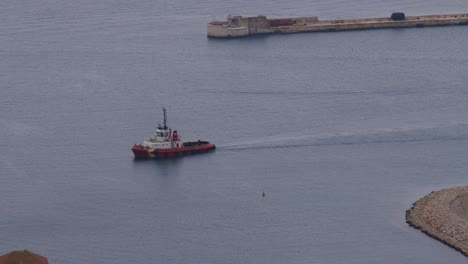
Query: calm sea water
x,y
342,131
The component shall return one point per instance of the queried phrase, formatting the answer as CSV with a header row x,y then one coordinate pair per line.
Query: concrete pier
x,y
238,26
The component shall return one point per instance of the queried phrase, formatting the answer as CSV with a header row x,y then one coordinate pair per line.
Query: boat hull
x,y
188,148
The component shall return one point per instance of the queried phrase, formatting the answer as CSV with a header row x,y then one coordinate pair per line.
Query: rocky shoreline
x,y
443,215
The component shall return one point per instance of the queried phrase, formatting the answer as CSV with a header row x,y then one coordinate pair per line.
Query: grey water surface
x,y
342,131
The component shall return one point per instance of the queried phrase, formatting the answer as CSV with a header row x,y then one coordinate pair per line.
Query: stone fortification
x,y
223,30
443,215
238,26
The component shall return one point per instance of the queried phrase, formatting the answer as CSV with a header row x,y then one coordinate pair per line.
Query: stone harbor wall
x,y
238,26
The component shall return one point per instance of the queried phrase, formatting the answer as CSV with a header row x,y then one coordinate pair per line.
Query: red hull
x,y
192,148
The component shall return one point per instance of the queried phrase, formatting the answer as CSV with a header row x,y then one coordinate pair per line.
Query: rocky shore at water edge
x,y
443,215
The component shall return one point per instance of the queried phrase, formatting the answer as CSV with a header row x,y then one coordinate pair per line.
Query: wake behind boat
x,y
168,144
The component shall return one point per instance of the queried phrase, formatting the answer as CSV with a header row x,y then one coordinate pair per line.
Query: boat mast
x,y
165,118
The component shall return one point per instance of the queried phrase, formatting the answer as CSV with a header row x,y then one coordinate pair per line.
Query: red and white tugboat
x,y
167,144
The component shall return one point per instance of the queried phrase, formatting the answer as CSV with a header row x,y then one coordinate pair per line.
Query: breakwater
x,y
238,26
443,215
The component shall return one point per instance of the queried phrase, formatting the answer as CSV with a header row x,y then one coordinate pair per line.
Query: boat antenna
x,y
165,118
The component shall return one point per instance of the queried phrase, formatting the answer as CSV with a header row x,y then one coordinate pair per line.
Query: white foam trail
x,y
408,134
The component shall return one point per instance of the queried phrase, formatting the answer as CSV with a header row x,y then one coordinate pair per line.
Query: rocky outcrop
x,y
443,215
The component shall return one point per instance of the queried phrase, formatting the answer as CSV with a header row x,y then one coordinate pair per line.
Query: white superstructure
x,y
164,137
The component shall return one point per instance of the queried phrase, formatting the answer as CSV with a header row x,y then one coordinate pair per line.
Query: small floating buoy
x,y
263,194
